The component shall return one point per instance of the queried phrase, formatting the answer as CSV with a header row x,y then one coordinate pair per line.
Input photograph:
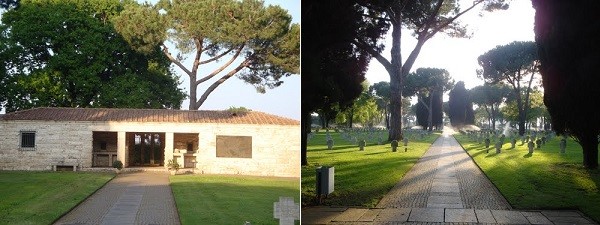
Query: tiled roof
x,y
148,115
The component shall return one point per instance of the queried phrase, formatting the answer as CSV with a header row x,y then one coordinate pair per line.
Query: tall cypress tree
x,y
567,34
460,106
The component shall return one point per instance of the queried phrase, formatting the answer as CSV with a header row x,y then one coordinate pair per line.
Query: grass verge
x,y
42,197
222,199
362,178
545,179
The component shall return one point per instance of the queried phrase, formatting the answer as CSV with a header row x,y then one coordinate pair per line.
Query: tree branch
x,y
217,71
217,57
165,50
449,21
213,86
431,19
412,57
199,51
386,63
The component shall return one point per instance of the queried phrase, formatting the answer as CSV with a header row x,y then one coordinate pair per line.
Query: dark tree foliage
x,y
460,107
422,113
436,111
470,114
332,68
63,55
567,34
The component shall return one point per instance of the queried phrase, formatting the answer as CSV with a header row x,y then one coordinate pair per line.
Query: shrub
x,y
117,164
173,165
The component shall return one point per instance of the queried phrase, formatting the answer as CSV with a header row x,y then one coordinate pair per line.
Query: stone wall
x,y
275,151
65,143
275,148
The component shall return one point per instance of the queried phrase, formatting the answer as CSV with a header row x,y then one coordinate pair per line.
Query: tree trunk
x,y
589,143
395,131
387,118
322,120
193,98
430,113
493,118
305,129
350,117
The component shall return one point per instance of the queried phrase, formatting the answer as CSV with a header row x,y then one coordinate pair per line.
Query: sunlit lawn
x,y
545,179
362,178
222,199
42,197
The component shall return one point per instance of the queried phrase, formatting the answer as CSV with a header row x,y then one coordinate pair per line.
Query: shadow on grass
x,y
478,153
339,152
333,149
528,155
377,153
491,155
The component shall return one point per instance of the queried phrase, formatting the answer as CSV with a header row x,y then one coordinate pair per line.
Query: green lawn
x,y
222,199
42,197
545,179
362,178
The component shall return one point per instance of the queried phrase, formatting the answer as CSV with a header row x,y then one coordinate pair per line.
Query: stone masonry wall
x,y
62,143
275,151
275,148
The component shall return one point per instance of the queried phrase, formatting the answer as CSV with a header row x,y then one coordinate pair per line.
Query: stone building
x,y
213,142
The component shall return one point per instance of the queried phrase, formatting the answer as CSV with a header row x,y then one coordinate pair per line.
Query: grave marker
x,y
286,211
563,145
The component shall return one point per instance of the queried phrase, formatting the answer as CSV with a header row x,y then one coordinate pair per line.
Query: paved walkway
x,y
444,187
130,198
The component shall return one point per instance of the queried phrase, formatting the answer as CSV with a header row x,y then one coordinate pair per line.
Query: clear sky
x,y
459,55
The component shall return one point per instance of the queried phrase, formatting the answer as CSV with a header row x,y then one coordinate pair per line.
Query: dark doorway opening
x,y
146,149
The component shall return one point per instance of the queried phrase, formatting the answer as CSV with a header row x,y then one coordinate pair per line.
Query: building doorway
x,y
146,149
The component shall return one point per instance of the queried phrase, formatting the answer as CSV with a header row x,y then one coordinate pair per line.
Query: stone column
x,y
121,148
168,147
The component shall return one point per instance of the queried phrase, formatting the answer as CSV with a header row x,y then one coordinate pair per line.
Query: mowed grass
x,y
42,197
362,178
222,199
545,179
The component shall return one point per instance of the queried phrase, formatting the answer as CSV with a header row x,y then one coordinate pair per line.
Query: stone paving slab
x,y
427,215
445,187
318,217
485,216
536,218
370,215
460,216
394,215
509,217
569,220
351,214
555,213
379,216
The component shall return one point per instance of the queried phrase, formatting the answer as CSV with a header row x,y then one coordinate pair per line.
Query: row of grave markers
x,y
359,136
532,140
